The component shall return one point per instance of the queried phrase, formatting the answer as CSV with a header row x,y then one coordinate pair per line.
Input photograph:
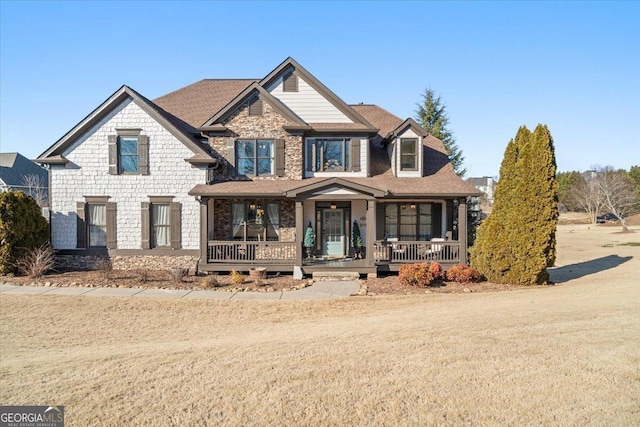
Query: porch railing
x,y
405,252
251,252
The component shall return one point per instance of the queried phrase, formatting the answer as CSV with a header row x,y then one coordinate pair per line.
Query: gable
x,y
336,187
310,90
309,104
55,153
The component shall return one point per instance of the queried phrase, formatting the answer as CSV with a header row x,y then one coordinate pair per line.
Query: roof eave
x,y
53,160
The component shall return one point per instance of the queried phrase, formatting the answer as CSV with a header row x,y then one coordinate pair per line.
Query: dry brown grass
x,y
559,355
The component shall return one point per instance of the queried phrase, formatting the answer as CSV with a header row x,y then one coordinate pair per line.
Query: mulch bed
x,y
162,279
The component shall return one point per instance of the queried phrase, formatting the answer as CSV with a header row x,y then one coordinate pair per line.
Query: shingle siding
x,y
87,174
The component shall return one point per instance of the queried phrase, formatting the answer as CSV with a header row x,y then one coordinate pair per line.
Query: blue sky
x,y
574,66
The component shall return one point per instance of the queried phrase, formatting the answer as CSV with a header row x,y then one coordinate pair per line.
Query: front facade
x,y
233,174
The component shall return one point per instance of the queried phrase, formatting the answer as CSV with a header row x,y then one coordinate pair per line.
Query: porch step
x,y
335,275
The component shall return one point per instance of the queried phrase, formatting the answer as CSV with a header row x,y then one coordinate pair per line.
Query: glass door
x,y
333,232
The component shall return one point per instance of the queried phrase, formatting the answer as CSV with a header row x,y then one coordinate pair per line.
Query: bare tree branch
x,y
37,188
618,194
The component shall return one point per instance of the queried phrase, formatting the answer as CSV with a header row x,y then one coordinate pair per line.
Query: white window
x,y
128,154
331,154
160,224
255,157
97,223
408,154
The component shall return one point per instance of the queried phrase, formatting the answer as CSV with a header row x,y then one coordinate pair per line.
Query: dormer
x,y
405,149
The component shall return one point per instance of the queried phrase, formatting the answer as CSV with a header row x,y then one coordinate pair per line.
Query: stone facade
x,y
152,262
267,126
87,174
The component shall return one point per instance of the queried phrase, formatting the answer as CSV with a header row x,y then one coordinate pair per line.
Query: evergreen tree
x,y
566,180
517,242
432,116
634,173
22,228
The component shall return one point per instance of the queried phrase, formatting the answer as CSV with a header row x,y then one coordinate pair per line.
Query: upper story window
x,y
128,153
255,157
128,160
333,154
408,154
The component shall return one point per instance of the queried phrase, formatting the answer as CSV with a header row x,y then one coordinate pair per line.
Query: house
x,y
17,173
487,185
228,174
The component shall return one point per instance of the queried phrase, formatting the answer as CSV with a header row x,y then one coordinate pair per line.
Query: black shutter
x,y
380,221
354,155
436,220
176,225
143,154
231,154
112,242
113,154
280,158
81,226
146,226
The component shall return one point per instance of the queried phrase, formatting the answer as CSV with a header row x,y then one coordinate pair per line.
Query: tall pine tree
x,y
432,116
517,242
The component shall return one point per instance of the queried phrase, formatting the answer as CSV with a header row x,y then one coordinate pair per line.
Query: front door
x,y
333,232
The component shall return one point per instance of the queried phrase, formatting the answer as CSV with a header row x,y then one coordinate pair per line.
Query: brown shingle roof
x,y
196,103
378,117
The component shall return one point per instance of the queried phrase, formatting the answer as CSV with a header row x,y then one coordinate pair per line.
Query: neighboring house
x,y
487,185
229,173
20,174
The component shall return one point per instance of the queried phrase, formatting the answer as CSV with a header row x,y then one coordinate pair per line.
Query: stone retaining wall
x,y
152,262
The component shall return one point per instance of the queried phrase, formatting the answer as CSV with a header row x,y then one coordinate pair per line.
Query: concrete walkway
x,y
317,291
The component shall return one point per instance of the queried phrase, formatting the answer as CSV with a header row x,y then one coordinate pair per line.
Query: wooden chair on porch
x,y
433,251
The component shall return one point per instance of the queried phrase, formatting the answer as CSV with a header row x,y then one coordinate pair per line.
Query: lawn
x,y
567,354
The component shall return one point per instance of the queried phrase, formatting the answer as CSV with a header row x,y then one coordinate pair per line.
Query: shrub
x,y
463,274
517,242
209,282
104,266
236,278
22,228
178,273
415,275
436,270
37,262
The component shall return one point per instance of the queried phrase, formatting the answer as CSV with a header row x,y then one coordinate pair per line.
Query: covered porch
x,y
244,231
